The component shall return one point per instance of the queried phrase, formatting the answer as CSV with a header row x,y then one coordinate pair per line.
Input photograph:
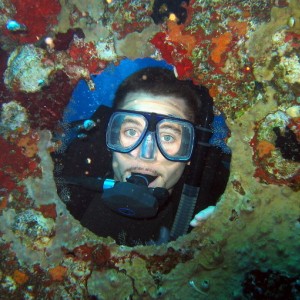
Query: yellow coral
x,y
20,277
264,148
241,28
175,34
58,273
29,144
221,45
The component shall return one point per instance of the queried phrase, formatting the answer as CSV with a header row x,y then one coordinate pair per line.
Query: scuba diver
x,y
161,163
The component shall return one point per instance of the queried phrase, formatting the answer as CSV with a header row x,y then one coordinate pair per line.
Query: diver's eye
x,y
131,133
167,138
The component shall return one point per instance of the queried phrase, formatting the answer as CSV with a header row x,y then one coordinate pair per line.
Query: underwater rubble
x,y
247,54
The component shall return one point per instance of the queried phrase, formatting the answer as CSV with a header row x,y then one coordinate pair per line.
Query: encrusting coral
x,y
246,54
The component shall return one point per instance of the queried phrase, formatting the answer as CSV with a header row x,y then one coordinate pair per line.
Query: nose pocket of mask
x,y
148,147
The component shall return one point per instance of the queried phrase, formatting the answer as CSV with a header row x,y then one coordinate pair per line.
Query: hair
x,y
162,82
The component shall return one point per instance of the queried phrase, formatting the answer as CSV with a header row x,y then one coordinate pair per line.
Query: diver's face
x,y
167,172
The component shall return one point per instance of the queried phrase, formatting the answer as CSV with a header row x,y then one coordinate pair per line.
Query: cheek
x,y
174,173
118,164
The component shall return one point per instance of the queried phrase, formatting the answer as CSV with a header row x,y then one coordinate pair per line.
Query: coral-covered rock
x,y
246,53
100,284
33,225
43,14
14,119
26,70
45,108
274,165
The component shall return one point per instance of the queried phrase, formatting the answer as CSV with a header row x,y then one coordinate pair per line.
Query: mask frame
x,y
152,120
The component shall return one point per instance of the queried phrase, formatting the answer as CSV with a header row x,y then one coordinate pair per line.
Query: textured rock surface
x,y
247,54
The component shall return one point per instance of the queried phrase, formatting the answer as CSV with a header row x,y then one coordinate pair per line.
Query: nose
x,y
148,148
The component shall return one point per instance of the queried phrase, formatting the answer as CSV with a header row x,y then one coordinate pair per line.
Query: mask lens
x,y
125,131
175,139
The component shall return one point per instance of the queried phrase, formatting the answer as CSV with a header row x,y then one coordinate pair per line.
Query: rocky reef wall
x,y
246,53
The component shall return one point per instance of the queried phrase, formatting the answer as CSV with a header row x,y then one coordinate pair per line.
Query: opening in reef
x,y
131,212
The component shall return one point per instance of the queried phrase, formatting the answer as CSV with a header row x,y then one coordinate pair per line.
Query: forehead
x,y
165,105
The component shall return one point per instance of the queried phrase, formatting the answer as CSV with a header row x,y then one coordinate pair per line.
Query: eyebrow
x,y
132,120
167,126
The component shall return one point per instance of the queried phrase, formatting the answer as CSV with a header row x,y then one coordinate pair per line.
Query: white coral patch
x,y
13,116
291,67
26,71
106,51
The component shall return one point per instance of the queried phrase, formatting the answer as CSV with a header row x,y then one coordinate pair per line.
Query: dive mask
x,y
174,137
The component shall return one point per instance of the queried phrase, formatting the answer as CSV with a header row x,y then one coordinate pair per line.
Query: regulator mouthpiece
x,y
141,179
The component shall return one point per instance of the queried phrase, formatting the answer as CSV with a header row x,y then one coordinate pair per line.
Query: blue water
x,y
85,102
